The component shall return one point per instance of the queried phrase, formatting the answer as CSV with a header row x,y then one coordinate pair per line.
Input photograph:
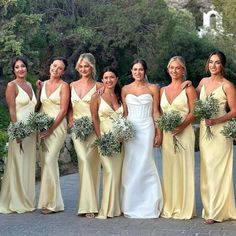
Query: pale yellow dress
x,y
50,191
18,186
217,190
112,166
178,168
87,154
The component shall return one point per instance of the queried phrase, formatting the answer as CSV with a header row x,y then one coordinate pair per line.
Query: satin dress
x,y
141,188
178,168
110,204
50,192
18,184
87,154
216,167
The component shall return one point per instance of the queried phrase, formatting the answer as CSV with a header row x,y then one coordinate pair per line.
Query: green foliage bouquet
x,y
18,130
229,129
108,144
123,129
206,110
82,128
168,122
38,122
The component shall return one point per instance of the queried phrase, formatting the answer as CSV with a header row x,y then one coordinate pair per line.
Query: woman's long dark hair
x,y
117,87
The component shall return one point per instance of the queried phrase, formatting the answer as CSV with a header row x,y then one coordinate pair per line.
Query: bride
x,y
141,187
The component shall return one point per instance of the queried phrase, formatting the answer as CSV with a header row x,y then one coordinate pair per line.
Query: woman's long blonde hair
x,y
90,59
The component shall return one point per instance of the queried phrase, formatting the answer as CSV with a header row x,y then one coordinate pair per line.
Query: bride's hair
x,y
144,65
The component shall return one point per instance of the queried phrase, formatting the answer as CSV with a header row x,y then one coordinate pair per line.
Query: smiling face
x,y
84,69
57,68
109,79
138,72
20,69
215,66
175,70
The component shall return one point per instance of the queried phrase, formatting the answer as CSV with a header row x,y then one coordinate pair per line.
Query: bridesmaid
x,y
104,108
88,161
54,102
217,166
18,186
178,168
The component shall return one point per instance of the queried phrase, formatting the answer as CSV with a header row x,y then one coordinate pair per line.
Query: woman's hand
x,y
45,134
39,84
186,84
158,138
177,131
210,122
100,91
70,124
18,140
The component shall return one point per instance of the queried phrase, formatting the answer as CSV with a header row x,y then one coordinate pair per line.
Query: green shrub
x,y
3,151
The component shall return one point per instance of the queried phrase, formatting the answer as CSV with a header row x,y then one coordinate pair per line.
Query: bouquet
x,y
108,144
206,110
39,122
168,122
123,129
18,130
82,128
229,129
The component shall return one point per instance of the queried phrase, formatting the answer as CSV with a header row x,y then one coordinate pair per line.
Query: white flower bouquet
x,y
108,144
82,128
229,129
39,122
205,110
123,129
168,122
18,130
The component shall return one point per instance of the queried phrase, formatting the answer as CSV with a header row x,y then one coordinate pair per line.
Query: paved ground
x,y
68,224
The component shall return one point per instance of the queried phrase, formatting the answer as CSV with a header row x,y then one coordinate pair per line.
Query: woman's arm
x,y
156,113
231,99
11,93
70,111
123,95
39,85
94,106
64,102
192,96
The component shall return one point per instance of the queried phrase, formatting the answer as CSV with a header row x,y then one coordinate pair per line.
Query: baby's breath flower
x,y
229,129
123,129
38,122
108,145
18,130
82,128
168,122
205,110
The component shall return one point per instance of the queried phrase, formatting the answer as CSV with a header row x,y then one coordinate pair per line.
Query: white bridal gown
x,y
141,187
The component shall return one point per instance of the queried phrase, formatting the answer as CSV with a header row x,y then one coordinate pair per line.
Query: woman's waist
x,y
139,118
